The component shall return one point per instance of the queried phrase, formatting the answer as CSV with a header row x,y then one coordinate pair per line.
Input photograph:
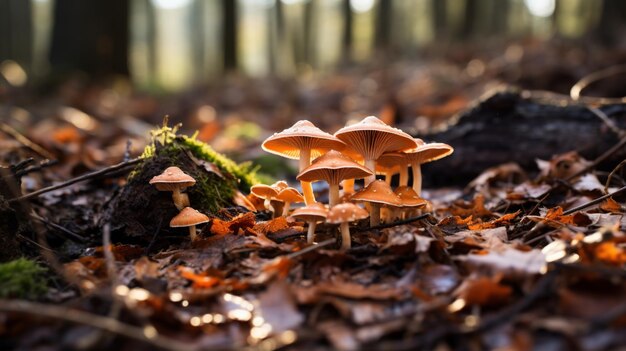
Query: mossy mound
x,y
138,211
22,278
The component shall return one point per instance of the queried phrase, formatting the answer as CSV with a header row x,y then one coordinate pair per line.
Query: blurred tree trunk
x,y
611,25
16,32
229,34
346,42
382,36
90,36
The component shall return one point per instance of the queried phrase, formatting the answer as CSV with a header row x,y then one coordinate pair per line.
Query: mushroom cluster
x,y
175,180
358,151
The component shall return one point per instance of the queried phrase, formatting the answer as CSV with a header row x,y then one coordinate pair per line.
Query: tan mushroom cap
x,y
289,195
333,167
188,217
302,135
346,212
172,178
429,152
313,212
372,137
378,192
409,197
264,191
280,185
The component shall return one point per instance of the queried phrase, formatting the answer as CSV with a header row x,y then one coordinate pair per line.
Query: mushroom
x,y
302,141
333,167
410,201
265,192
189,217
287,196
422,154
393,162
371,138
377,194
175,180
311,214
343,214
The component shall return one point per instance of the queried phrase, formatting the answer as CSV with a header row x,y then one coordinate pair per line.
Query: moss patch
x,y
22,278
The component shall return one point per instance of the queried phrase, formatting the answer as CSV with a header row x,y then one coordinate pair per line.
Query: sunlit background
x,y
174,44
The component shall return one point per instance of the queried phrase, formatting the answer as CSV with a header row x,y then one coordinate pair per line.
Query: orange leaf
x,y
611,206
485,291
199,280
610,253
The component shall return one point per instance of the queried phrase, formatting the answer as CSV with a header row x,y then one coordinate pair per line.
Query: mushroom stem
x,y
345,236
404,175
307,188
181,200
277,207
417,177
374,214
371,165
388,176
286,207
267,204
333,194
192,233
348,186
310,234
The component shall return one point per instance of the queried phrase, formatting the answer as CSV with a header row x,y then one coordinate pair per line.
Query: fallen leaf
x,y
484,291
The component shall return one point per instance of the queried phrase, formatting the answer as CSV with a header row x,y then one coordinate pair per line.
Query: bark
x,y
508,127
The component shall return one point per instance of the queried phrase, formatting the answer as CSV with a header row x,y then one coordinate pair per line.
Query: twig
x,y
25,141
150,337
617,147
400,222
47,222
576,90
77,179
312,248
594,201
610,176
40,166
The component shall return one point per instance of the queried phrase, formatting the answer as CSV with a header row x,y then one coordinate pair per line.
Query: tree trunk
x,y
90,36
229,34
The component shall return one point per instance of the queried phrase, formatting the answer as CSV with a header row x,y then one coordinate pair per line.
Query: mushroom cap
x,y
391,162
372,137
429,152
378,192
171,179
314,212
345,212
280,185
409,197
188,217
333,167
302,135
264,191
289,194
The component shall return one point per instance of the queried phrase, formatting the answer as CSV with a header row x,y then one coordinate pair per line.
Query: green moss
x,y
171,144
22,278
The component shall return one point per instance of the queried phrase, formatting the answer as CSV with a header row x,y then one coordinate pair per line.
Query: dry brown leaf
x,y
484,291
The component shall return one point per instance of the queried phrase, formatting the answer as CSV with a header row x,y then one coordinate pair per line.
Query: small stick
x,y
400,222
96,321
77,179
608,179
66,231
25,141
595,201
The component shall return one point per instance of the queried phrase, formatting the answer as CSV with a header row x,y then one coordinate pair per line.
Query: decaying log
x,y
513,126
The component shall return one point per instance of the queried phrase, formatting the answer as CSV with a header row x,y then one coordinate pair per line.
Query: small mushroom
x,y
343,214
288,196
371,138
377,194
391,163
265,192
189,217
333,167
422,154
175,180
410,201
302,141
311,214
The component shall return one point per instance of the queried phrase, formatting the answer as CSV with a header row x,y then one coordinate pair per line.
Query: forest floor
x,y
515,259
